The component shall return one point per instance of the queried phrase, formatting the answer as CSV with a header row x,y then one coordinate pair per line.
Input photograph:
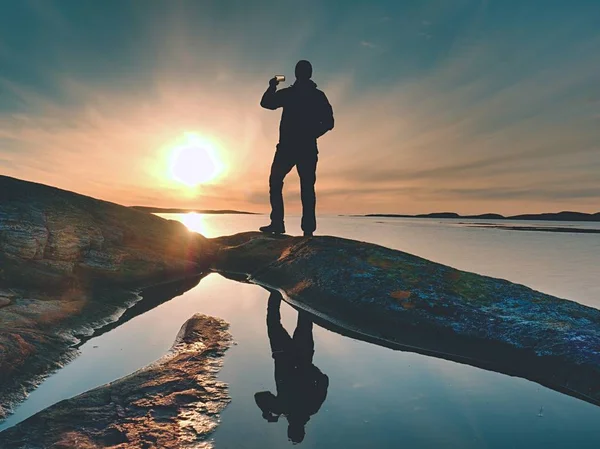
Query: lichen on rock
x,y
408,302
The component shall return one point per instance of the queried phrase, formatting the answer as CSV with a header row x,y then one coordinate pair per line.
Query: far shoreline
x,y
552,216
558,216
166,210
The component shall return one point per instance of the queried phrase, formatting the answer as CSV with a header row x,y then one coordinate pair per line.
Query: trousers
x,y
305,161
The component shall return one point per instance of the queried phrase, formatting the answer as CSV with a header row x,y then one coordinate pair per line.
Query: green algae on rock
x,y
408,302
173,403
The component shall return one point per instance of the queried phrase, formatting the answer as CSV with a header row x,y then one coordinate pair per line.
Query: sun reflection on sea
x,y
194,221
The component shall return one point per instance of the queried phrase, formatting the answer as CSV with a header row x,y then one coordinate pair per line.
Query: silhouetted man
x,y
307,115
301,386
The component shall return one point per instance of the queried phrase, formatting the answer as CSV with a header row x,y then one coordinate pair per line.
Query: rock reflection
x,y
301,386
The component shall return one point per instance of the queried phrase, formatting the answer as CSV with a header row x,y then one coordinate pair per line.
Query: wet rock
x,y
69,263
400,300
173,403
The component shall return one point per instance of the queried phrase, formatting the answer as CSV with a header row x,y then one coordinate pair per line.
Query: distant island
x,y
558,216
163,210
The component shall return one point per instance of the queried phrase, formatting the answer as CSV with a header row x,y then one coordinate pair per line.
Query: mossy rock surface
x,y
432,308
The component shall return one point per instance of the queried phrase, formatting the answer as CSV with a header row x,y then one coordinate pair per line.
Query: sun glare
x,y
194,222
195,162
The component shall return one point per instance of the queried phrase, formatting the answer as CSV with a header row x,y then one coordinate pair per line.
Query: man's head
x,y
303,70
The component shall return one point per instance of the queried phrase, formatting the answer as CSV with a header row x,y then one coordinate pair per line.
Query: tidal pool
x,y
376,397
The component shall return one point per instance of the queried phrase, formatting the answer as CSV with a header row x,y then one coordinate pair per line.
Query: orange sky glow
x,y
189,132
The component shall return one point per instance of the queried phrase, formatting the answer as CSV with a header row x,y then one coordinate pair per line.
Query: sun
x,y
195,161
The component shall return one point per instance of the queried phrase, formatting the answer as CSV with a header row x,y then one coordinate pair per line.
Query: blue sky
x,y
464,105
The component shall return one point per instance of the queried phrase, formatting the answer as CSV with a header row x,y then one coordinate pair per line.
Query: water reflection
x,y
153,296
301,386
376,398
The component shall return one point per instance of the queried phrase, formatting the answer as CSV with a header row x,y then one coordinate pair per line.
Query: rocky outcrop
x,y
54,238
400,300
69,263
173,403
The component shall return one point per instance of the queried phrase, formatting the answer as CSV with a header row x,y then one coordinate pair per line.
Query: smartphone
x,y
280,78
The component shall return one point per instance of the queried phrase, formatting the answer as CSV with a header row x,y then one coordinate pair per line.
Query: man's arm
x,y
319,392
272,98
326,121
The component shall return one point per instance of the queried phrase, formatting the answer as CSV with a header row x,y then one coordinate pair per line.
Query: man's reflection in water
x,y
301,386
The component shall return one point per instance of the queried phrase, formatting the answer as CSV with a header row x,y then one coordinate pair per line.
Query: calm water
x,y
377,397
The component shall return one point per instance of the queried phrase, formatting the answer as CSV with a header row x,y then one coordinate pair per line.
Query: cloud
x,y
483,124
368,44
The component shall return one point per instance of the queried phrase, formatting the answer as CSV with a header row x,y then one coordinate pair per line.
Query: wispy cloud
x,y
368,44
488,121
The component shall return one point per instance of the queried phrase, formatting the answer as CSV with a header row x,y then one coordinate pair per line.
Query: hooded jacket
x,y
307,114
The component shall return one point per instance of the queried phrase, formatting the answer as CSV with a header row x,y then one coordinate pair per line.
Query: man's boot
x,y
273,229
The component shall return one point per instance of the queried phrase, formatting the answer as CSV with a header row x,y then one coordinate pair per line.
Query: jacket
x,y
307,114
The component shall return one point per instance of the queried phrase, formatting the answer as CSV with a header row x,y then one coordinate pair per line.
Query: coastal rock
x,y
69,263
50,237
39,334
400,300
173,403
4,301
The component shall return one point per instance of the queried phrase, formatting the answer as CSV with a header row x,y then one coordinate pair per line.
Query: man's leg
x,y
281,346
303,337
281,166
279,338
307,170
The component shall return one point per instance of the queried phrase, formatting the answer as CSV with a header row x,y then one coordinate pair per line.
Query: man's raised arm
x,y
272,98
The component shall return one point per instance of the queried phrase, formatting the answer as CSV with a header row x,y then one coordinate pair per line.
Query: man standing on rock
x,y
307,115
